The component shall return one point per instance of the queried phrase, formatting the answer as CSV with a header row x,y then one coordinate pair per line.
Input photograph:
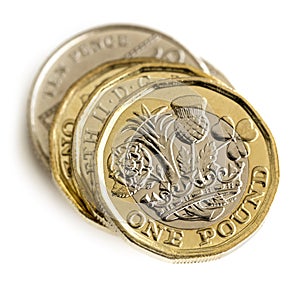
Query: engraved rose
x,y
130,166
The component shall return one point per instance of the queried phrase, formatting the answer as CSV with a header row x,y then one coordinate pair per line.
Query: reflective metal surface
x,y
83,53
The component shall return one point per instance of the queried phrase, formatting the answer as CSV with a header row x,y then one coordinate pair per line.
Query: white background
x,y
48,251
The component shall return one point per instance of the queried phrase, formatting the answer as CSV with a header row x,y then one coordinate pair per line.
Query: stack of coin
x,y
151,142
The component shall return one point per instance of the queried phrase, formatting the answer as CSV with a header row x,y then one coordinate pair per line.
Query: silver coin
x,y
83,53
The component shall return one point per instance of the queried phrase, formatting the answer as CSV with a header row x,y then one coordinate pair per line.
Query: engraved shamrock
x,y
235,137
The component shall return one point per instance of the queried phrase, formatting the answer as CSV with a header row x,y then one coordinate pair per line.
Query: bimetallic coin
x,y
97,109
186,168
83,53
61,133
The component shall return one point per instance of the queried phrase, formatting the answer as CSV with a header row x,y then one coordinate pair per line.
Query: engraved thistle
x,y
179,166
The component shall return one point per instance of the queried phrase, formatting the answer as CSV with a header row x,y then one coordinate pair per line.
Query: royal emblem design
x,y
182,163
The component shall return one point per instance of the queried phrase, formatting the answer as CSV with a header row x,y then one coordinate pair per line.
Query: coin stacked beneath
x,y
151,142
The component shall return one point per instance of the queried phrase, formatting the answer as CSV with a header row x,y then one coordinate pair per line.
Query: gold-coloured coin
x,y
61,133
186,168
91,119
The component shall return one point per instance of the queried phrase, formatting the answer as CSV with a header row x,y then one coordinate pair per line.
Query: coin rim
x,y
202,254
74,194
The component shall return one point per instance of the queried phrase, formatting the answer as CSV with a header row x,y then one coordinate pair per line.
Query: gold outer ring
x,y
222,236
